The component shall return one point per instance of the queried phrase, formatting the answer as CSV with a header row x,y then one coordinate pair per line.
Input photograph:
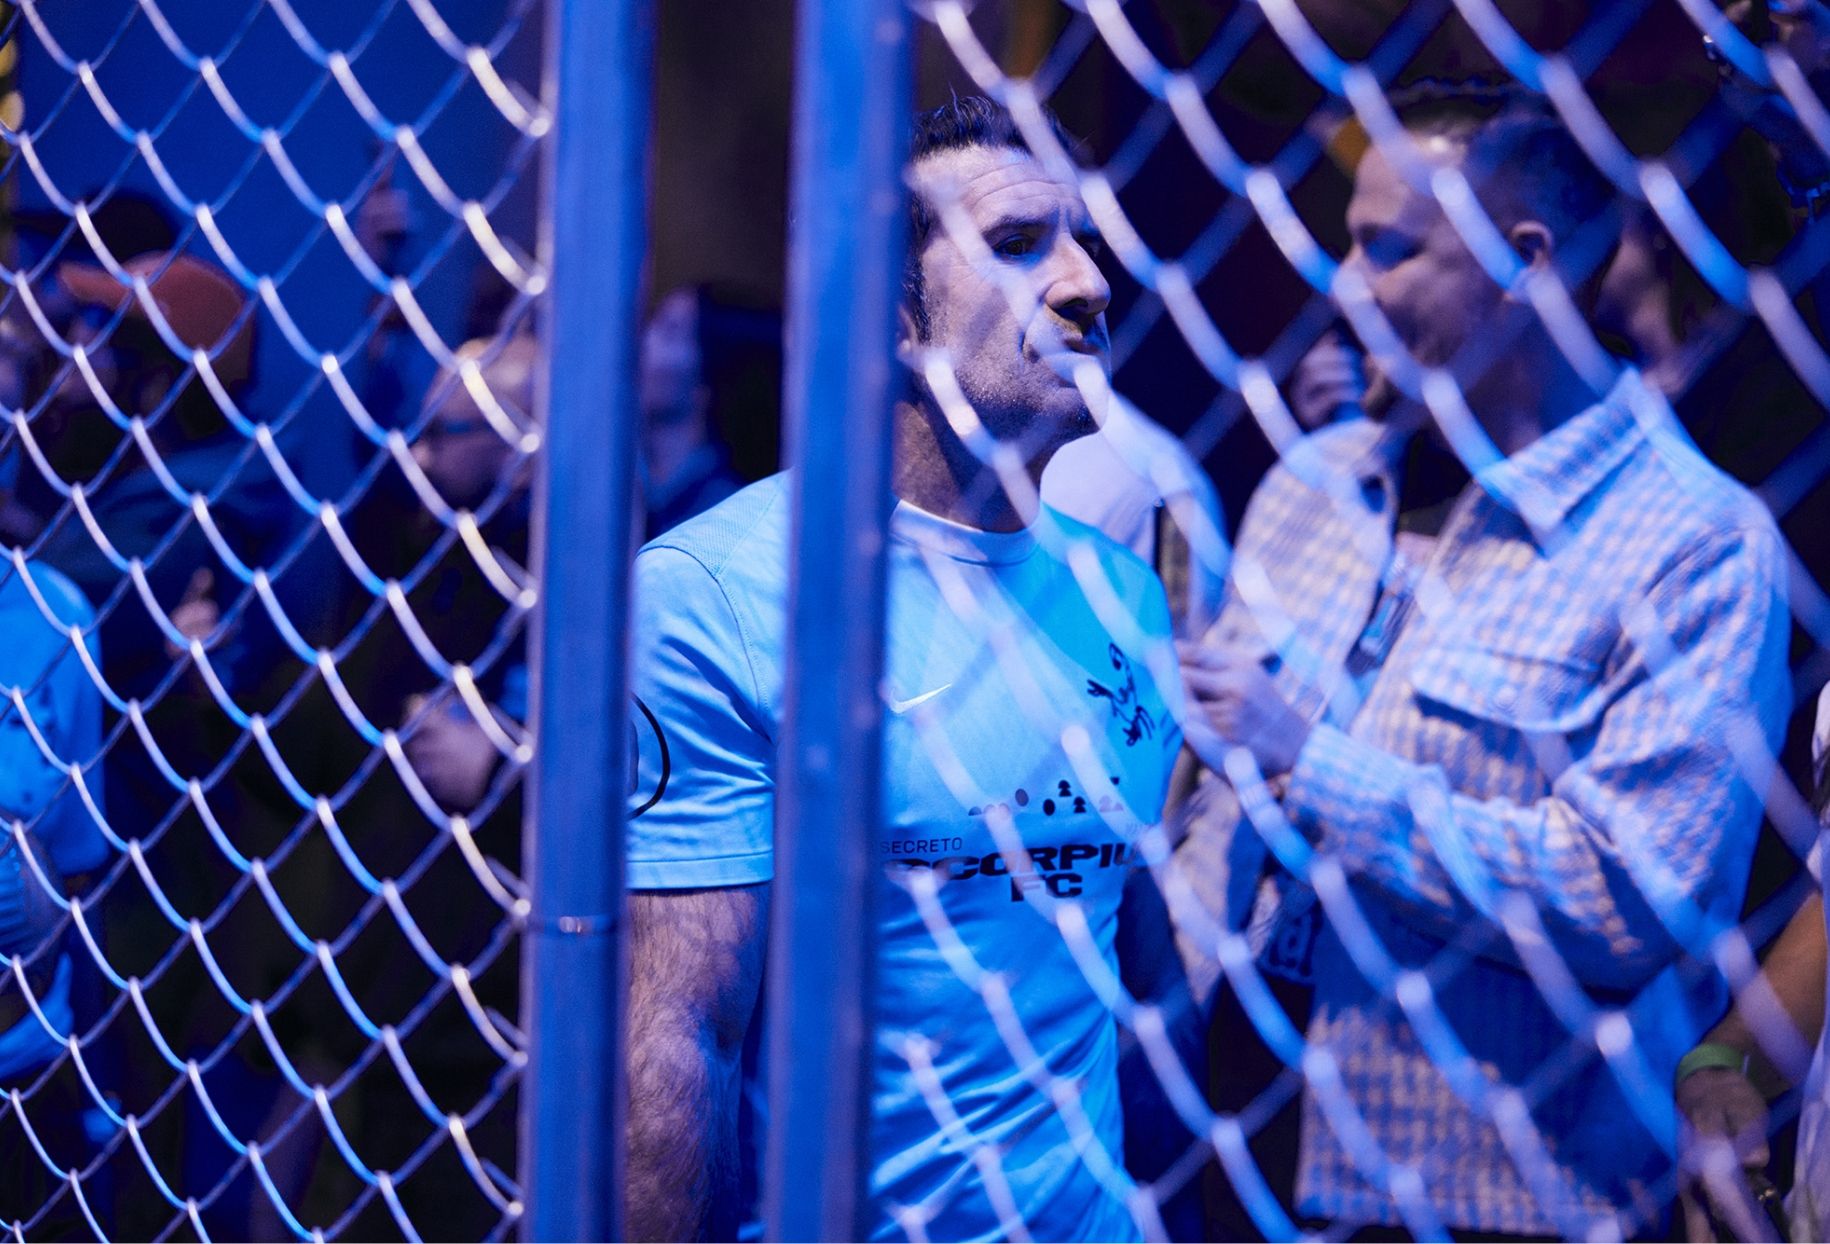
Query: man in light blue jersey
x,y
1030,728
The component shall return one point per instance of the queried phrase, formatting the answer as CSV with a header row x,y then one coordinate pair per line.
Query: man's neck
x,y
667,447
1533,394
934,471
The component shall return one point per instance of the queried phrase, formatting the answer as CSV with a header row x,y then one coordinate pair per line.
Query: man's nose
x,y
1366,280
1078,290
1355,260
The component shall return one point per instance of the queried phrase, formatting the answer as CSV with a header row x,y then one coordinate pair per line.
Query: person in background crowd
x,y
44,818
1330,383
1723,1085
189,439
193,645
466,459
707,666
129,225
1507,706
685,467
1726,1080
385,225
710,378
469,461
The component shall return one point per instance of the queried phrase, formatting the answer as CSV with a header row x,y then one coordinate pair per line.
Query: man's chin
x,y
1050,430
1067,363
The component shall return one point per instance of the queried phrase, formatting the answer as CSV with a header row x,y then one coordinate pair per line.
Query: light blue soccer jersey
x,y
1027,745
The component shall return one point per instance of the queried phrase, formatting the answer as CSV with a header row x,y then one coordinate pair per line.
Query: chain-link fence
x,y
270,433
1485,694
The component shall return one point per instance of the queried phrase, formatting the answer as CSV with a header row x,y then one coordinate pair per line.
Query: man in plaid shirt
x,y
1524,719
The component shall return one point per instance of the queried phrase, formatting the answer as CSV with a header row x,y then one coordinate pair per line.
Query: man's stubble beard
x,y
1044,433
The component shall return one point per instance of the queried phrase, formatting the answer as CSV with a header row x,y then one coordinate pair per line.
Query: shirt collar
x,y
912,525
1366,450
1547,479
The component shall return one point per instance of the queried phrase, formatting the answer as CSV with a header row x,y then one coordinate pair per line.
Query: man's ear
x,y
1531,242
907,335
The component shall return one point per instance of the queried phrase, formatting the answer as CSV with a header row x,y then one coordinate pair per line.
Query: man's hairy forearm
x,y
695,967
682,1128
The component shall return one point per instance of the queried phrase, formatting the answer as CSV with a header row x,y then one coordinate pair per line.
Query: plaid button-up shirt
x,y
1580,711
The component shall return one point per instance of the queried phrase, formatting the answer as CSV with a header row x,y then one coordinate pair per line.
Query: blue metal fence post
x,y
844,278
599,55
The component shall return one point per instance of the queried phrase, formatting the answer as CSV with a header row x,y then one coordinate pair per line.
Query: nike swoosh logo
x,y
902,706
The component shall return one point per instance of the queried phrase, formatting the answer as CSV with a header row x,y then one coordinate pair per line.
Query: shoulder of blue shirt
x,y
66,603
751,528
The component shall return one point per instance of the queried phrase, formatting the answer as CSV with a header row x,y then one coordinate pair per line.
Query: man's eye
x,y
1094,246
1015,247
1387,249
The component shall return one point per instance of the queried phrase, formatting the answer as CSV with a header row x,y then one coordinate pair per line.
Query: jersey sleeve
x,y
701,812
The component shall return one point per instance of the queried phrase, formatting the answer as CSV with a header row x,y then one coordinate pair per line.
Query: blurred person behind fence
x,y
50,846
467,459
468,462
197,631
45,819
1749,1058
136,426
1500,703
710,380
188,438
710,631
1724,1084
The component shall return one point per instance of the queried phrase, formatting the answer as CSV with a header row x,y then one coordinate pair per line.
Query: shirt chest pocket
x,y
1530,692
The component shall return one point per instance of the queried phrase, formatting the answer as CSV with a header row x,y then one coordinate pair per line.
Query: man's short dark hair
x,y
1525,165
957,125
1503,125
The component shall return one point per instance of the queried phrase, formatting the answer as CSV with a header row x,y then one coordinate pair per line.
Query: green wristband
x,y
1710,1054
